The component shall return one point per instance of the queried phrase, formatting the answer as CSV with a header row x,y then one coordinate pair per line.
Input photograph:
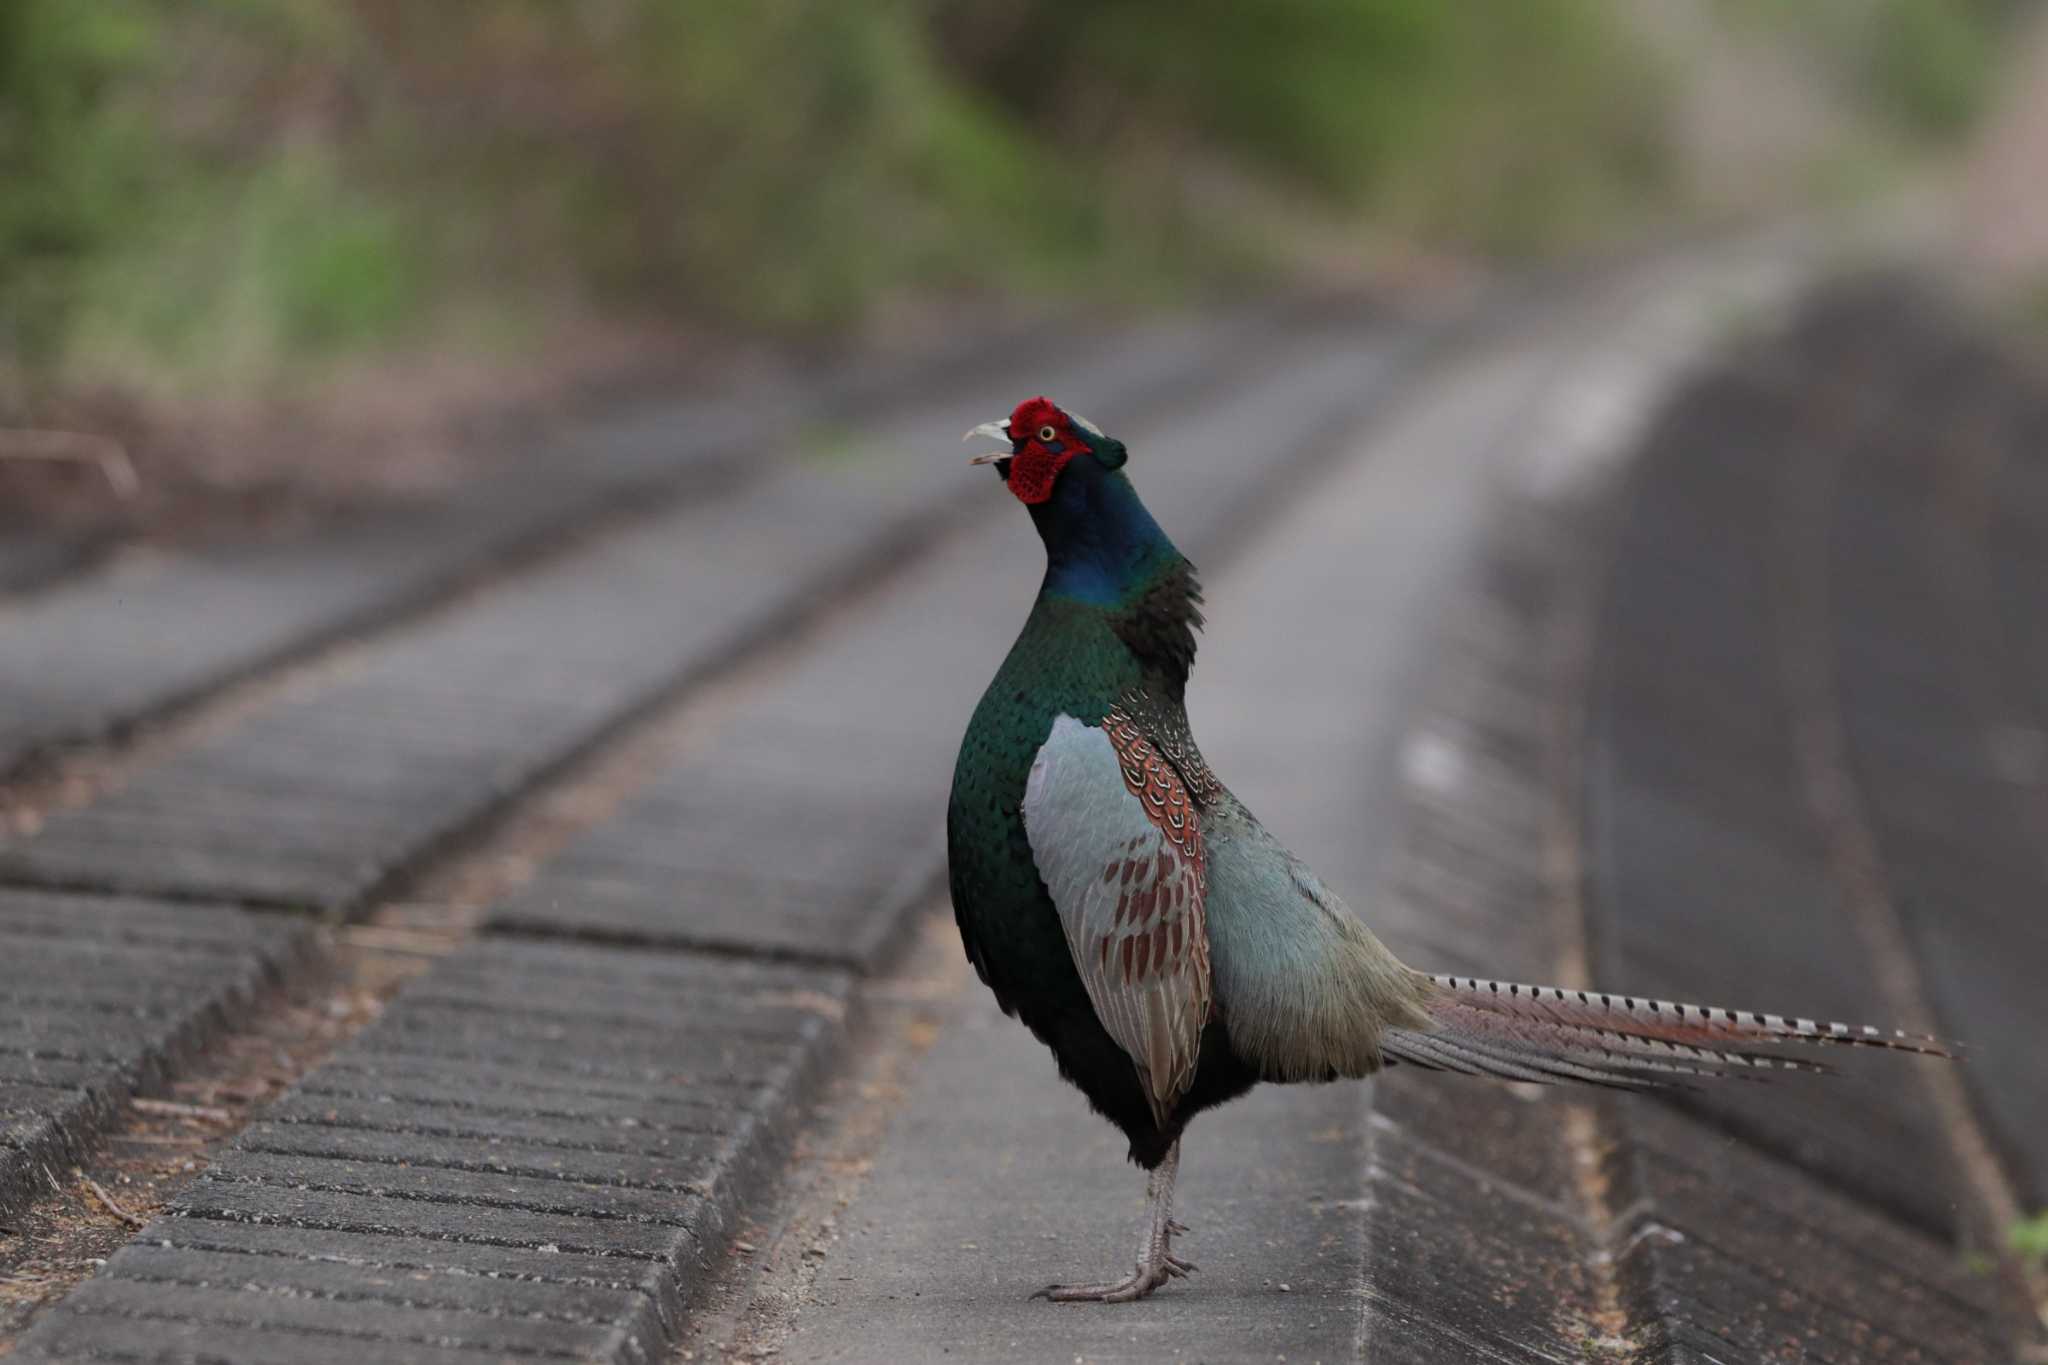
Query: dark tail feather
x,y
1541,1033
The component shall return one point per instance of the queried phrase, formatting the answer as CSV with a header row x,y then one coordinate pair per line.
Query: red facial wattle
x,y
1044,442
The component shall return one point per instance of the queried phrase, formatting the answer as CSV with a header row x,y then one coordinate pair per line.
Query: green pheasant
x,y
1134,915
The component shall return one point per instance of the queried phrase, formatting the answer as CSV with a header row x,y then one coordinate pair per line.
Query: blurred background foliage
x,y
206,194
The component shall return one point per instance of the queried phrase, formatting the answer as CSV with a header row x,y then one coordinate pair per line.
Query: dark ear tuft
x,y
1109,451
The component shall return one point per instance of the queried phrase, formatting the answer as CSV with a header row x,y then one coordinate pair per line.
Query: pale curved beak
x,y
995,431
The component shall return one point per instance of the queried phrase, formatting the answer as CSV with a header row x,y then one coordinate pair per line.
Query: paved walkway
x,y
743,636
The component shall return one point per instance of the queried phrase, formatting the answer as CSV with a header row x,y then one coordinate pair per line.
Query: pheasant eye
x,y
1046,433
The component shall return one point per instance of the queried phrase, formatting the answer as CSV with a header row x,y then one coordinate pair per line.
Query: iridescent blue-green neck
x,y
1103,549
1101,543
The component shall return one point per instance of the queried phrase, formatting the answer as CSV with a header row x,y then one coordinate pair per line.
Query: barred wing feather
x,y
1118,844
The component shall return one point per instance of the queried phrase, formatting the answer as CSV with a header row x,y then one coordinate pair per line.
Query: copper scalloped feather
x,y
1168,737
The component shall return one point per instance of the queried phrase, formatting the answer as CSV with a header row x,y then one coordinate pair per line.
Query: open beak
x,y
995,431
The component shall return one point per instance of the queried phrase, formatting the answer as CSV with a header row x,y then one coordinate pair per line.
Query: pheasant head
x,y
1044,439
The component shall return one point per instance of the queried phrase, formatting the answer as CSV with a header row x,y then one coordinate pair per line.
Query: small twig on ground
x,y
204,1113
82,447
167,1139
386,938
113,1205
816,1002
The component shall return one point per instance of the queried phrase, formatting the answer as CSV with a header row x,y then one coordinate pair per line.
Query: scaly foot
x,y
1142,1280
1156,1262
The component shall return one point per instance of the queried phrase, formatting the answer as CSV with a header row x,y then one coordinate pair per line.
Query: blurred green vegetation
x,y
218,192
2029,1239
1923,66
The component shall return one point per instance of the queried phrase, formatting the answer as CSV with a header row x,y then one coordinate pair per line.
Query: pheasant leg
x,y
1156,1262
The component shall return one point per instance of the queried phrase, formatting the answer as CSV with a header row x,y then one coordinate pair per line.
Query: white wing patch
x,y
1118,844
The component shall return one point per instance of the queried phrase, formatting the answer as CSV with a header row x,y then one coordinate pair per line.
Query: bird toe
x,y
1140,1282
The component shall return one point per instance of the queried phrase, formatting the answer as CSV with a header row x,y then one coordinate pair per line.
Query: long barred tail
x,y
1545,1034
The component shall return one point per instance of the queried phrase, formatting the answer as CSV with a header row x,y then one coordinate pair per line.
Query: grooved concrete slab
x,y
484,1220
1700,863
1748,1253
1717,1250
118,1335
104,997
1692,765
160,627
813,819
1837,498
1478,1241
1464,1266
1945,723
317,797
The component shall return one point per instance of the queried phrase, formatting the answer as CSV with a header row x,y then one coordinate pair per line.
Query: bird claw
x,y
1143,1279
1176,1227
1141,1282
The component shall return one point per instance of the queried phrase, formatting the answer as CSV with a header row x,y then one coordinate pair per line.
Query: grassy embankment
x,y
230,197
